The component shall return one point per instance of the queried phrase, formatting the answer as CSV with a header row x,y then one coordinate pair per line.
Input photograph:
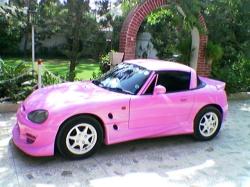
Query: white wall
x,y
55,40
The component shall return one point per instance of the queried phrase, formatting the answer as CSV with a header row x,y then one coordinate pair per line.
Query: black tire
x,y
197,132
68,126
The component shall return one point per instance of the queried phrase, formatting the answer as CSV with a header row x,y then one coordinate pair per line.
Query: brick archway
x,y
133,22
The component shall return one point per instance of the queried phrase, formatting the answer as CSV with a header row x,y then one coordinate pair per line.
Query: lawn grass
x,y
84,69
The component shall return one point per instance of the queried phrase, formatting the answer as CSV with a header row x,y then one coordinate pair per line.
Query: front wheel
x,y
79,137
207,123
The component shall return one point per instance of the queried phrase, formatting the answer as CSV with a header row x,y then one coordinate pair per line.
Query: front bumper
x,y
30,149
34,139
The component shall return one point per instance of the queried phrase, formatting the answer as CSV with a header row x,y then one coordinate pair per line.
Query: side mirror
x,y
159,89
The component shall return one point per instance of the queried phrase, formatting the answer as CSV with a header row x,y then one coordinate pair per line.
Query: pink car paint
x,y
136,116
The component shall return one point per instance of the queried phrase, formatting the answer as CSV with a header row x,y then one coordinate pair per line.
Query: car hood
x,y
68,94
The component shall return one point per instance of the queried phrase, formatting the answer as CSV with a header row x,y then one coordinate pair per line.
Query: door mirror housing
x,y
159,89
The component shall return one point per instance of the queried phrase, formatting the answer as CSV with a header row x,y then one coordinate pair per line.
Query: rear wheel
x,y
207,123
79,137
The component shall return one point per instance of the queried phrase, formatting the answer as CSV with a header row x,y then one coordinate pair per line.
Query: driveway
x,y
171,161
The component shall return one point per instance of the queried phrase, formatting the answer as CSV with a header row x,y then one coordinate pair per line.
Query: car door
x,y
170,110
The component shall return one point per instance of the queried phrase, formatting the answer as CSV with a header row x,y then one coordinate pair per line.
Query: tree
x,y
230,28
12,25
117,27
103,11
171,29
48,24
74,24
81,31
229,25
127,5
73,21
29,6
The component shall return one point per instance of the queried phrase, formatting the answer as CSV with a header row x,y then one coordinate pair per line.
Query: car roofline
x,y
159,65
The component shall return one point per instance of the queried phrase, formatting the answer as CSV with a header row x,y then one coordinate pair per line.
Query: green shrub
x,y
96,75
48,78
235,75
104,66
17,82
214,51
184,48
104,63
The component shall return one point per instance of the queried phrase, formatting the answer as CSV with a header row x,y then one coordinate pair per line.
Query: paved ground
x,y
172,161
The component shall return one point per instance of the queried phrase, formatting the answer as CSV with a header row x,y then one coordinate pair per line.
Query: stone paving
x,y
171,161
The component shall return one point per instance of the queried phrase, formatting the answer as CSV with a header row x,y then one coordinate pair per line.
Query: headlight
x,y
38,116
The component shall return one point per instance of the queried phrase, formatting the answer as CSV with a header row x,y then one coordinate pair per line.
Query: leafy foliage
x,y
71,20
104,63
49,78
104,66
117,26
214,51
236,75
171,40
11,25
184,49
103,10
16,82
230,29
127,5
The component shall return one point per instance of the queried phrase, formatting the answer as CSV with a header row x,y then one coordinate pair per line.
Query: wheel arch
x,y
197,135
215,106
218,107
77,115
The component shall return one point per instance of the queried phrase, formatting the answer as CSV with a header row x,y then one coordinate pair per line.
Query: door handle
x,y
183,99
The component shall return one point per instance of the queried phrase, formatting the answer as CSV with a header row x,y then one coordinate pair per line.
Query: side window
x,y
174,81
151,87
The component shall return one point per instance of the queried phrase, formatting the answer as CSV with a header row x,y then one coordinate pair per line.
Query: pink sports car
x,y
136,99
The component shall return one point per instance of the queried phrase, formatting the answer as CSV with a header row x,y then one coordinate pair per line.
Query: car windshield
x,y
124,78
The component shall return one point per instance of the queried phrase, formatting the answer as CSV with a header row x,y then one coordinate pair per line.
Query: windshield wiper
x,y
96,82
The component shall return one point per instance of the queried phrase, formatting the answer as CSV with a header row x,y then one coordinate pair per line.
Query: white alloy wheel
x,y
208,124
81,138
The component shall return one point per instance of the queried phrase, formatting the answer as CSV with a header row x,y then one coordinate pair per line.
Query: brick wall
x,y
133,22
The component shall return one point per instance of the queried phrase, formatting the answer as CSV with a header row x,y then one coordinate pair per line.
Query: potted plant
x,y
214,52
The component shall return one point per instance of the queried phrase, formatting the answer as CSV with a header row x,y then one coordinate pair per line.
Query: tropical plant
x,y
17,82
48,78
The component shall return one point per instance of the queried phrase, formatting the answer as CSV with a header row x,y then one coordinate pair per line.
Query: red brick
x,y
132,24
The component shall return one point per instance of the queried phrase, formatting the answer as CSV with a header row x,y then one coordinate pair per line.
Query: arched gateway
x,y
133,22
